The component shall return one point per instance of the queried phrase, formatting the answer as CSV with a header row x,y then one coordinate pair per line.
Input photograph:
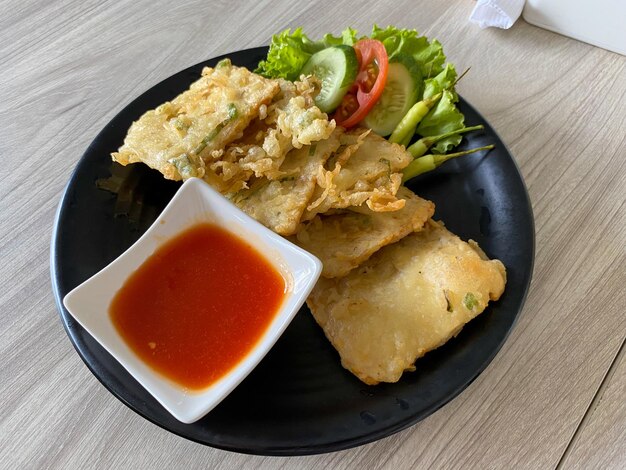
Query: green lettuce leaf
x,y
440,82
290,51
348,38
407,41
287,55
444,117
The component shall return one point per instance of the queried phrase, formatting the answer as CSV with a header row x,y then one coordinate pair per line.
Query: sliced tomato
x,y
369,85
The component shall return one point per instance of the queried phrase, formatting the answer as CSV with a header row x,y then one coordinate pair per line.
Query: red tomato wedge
x,y
369,85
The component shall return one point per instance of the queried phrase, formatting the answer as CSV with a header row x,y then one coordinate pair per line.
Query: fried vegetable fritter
x,y
291,121
367,170
342,241
177,138
230,126
407,299
279,204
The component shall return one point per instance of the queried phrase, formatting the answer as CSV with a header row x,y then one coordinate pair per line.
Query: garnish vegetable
x,y
420,147
430,162
337,68
393,81
370,83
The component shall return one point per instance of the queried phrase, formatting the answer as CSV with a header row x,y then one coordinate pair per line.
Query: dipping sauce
x,y
198,305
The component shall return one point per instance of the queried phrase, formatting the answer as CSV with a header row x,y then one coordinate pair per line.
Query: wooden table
x,y
553,396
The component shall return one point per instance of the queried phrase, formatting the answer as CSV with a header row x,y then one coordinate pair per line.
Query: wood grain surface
x,y
601,441
68,66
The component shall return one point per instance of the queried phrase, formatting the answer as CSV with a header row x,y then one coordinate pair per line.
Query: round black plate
x,y
300,400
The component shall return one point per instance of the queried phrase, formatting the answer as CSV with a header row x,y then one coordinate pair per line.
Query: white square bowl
x,y
195,202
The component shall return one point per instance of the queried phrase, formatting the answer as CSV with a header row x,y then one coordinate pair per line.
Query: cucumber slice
x,y
402,90
336,67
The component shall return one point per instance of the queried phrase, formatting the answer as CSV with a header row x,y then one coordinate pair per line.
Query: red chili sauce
x,y
197,305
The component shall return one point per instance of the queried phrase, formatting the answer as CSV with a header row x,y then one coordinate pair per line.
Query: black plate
x,y
300,400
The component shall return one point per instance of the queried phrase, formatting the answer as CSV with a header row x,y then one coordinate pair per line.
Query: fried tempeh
x,y
344,240
407,299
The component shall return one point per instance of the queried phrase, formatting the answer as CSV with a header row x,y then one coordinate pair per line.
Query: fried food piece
x,y
344,240
367,170
296,115
178,137
291,121
279,204
407,299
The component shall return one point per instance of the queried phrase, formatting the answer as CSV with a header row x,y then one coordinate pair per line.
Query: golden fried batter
x,y
229,127
407,299
279,204
368,170
177,138
344,240
290,121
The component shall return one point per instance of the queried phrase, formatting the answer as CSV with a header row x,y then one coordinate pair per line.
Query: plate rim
x,y
314,449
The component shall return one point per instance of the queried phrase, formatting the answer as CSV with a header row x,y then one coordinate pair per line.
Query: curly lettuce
x,y
428,54
290,51
445,116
